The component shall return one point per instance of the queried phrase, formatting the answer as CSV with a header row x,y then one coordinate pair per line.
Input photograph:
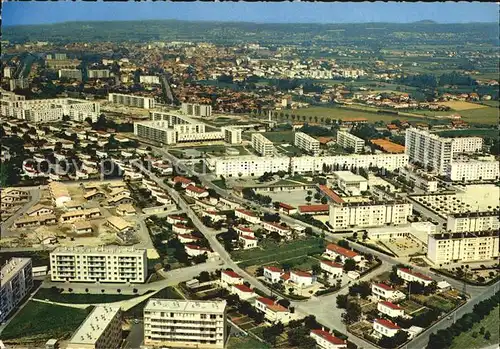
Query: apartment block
x,y
98,264
149,79
185,323
75,74
421,179
428,149
366,214
98,73
306,142
485,169
102,329
199,110
472,221
231,135
262,145
467,145
349,141
16,282
132,101
463,247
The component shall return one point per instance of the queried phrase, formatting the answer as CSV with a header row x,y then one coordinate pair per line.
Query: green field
x,y
80,298
39,322
487,133
490,323
280,137
271,252
344,113
245,343
220,183
480,115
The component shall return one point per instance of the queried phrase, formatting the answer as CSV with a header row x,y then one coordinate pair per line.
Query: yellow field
x,y
461,105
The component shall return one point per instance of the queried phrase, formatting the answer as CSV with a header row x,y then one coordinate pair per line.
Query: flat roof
x,y
94,325
12,267
185,306
119,223
99,250
348,176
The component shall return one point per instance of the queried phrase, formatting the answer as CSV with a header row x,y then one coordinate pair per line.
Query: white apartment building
x,y
16,282
98,73
98,264
185,323
363,214
262,145
21,83
132,101
350,183
473,170
428,149
306,142
463,247
149,79
349,141
471,222
194,109
102,329
247,165
421,179
467,145
231,135
75,74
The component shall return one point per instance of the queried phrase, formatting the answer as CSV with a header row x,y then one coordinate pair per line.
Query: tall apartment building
x,y
162,132
132,101
16,282
75,74
185,323
57,56
306,142
21,83
102,329
467,145
463,247
99,264
262,145
193,109
149,79
349,141
428,149
231,135
472,221
350,215
467,169
98,73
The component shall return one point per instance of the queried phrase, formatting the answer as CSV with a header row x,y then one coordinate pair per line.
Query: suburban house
x,y
176,219
247,241
275,227
214,215
273,312
333,250
72,216
386,292
243,291
125,210
185,181
272,274
27,221
120,199
187,238
383,327
229,277
119,224
334,270
390,309
242,230
287,209
409,275
325,340
314,209
39,210
181,229
82,227
93,195
302,278
195,250
249,216
196,192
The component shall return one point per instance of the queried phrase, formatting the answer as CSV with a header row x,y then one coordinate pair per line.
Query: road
x,y
34,198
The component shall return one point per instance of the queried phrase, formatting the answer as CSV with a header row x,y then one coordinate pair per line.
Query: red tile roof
x,y
313,208
266,301
285,276
248,237
179,218
242,228
391,305
196,247
328,337
189,236
231,273
331,194
415,273
388,324
182,226
279,226
182,180
248,213
196,189
332,264
384,286
274,269
286,206
301,273
243,288
277,308
342,251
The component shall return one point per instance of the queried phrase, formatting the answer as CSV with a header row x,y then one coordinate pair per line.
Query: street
x,y
34,198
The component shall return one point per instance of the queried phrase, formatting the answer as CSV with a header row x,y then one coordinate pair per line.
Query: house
x,y
125,210
93,195
118,223
176,219
82,227
275,227
325,340
27,221
187,238
118,192
333,250
243,291
195,250
247,241
249,216
196,192
272,274
59,193
314,209
409,275
390,309
214,215
185,182
39,210
73,205
242,230
384,291
302,278
229,277
75,215
287,209
383,327
273,312
181,229
122,199
334,270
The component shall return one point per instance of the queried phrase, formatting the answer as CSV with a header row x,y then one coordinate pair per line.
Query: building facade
x,y
262,145
16,282
194,109
471,222
473,170
132,101
306,142
98,73
349,141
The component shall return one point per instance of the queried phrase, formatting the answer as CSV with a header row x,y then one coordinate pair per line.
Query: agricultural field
x,y
38,322
480,115
480,132
467,341
344,113
462,105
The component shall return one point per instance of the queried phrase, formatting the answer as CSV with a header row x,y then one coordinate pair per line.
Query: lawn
x,y
303,263
272,252
80,298
39,322
280,137
490,323
488,133
481,115
245,343
220,183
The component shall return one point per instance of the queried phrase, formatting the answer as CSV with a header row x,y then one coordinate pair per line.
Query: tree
x,y
324,200
352,313
204,276
270,333
349,265
308,199
395,341
342,301
487,335
317,196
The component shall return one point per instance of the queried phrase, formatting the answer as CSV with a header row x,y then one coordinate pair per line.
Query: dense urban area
x,y
174,184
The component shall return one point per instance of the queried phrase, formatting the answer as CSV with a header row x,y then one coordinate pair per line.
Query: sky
x,y
31,12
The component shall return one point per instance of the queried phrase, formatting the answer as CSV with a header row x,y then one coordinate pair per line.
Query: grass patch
x,y
220,183
280,137
490,323
80,298
480,115
39,322
344,113
479,132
